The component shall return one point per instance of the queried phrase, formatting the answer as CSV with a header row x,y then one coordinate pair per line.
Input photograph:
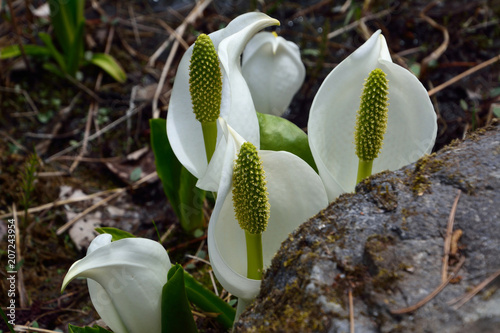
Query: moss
x,y
423,168
385,198
378,243
296,315
384,272
385,279
383,195
406,212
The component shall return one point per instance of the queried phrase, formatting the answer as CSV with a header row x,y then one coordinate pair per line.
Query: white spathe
x,y
183,130
411,128
125,280
274,72
295,194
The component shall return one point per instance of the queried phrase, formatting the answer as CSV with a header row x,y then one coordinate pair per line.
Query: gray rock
x,y
385,243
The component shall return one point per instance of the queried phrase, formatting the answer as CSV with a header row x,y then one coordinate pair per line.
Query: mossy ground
x,y
375,254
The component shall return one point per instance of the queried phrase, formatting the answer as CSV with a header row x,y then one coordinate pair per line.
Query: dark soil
x,y
44,126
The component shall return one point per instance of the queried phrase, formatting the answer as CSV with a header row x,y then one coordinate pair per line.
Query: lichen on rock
x,y
385,244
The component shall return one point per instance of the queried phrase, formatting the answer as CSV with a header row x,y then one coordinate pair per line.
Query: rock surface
x,y
385,243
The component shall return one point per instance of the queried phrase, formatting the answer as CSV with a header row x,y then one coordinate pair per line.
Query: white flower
x,y
411,127
183,130
273,71
295,194
125,280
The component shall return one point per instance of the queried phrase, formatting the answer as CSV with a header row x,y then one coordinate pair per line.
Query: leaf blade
x,y
176,313
277,134
179,185
109,64
116,234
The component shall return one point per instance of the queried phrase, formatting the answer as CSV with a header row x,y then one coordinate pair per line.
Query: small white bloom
x,y
295,194
273,71
183,130
125,280
411,127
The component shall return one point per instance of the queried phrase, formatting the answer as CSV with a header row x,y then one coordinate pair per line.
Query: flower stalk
x,y
255,258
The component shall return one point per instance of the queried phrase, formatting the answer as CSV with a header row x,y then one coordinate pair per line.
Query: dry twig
x,y
18,34
362,20
448,238
197,11
28,100
14,141
63,114
463,75
103,201
23,299
444,45
22,328
68,224
433,293
92,109
167,233
459,301
134,24
312,8
351,312
214,285
97,134
62,202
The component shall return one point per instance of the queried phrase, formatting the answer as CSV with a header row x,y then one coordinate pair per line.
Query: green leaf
x,y
58,57
135,175
66,18
115,233
74,56
209,302
87,329
167,165
277,134
4,317
179,185
12,51
496,110
61,23
45,117
109,65
54,69
191,201
176,313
